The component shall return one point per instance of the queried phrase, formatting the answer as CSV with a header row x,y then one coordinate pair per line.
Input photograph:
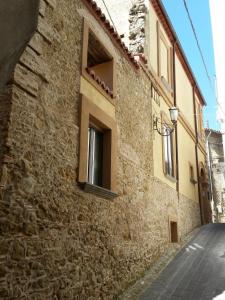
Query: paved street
x,y
197,272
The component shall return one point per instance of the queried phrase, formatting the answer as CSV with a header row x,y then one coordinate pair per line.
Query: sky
x,y
200,14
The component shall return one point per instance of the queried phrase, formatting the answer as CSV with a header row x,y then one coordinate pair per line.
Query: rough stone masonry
x,y
58,242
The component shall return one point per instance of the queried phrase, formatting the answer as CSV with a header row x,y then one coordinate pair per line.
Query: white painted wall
x,y
119,12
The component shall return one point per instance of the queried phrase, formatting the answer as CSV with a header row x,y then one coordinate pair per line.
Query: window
x,y
191,173
223,196
164,60
200,126
168,152
97,156
97,63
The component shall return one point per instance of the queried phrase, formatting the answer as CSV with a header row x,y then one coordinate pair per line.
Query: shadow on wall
x,y
18,21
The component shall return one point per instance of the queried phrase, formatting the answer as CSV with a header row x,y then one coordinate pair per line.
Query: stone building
x,y
92,194
216,166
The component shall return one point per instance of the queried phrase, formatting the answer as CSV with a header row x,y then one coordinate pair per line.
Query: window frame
x,y
172,137
90,113
192,173
91,176
200,126
161,38
86,30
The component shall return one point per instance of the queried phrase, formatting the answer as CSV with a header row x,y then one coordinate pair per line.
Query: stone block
x,y
42,8
48,33
36,43
26,80
35,63
51,3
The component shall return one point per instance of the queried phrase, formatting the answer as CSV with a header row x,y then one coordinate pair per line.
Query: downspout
x,y
196,155
209,166
176,128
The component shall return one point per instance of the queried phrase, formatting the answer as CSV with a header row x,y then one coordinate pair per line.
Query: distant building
x,y
216,165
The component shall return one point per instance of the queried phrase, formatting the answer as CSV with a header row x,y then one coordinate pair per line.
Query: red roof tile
x,y
100,82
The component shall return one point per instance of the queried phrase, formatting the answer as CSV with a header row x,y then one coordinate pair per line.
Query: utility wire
x,y
198,44
109,14
202,57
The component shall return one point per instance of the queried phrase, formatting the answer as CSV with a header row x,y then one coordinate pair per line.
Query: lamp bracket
x,y
170,127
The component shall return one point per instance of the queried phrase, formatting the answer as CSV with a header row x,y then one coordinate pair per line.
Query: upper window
x,y
200,126
164,60
98,63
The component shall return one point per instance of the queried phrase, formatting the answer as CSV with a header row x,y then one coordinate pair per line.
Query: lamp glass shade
x,y
174,114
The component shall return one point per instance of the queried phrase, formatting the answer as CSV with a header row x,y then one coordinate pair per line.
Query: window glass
x,y
168,151
95,156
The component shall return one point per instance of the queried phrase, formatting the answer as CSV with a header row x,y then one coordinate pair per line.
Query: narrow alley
x,y
197,272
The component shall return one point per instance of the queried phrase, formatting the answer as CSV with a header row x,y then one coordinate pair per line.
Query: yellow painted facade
x,y
187,157
89,91
186,132
184,93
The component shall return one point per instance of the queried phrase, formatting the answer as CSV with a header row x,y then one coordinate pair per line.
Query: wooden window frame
x,y
160,37
92,114
86,30
165,119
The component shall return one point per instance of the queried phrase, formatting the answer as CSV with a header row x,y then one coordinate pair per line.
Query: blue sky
x,y
199,10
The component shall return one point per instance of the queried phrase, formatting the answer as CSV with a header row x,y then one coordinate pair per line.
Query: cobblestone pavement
x,y
134,292
197,272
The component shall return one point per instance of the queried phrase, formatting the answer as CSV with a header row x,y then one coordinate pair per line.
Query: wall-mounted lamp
x,y
166,129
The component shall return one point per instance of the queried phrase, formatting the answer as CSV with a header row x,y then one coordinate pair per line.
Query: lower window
x,y
95,156
97,159
168,152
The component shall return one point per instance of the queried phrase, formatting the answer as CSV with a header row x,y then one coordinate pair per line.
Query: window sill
x,y
171,178
98,86
98,190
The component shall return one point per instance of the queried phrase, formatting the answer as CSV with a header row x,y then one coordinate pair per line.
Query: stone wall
x,y
137,19
58,242
189,215
216,169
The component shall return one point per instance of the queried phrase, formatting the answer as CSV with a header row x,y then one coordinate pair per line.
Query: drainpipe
x,y
210,168
196,155
176,133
